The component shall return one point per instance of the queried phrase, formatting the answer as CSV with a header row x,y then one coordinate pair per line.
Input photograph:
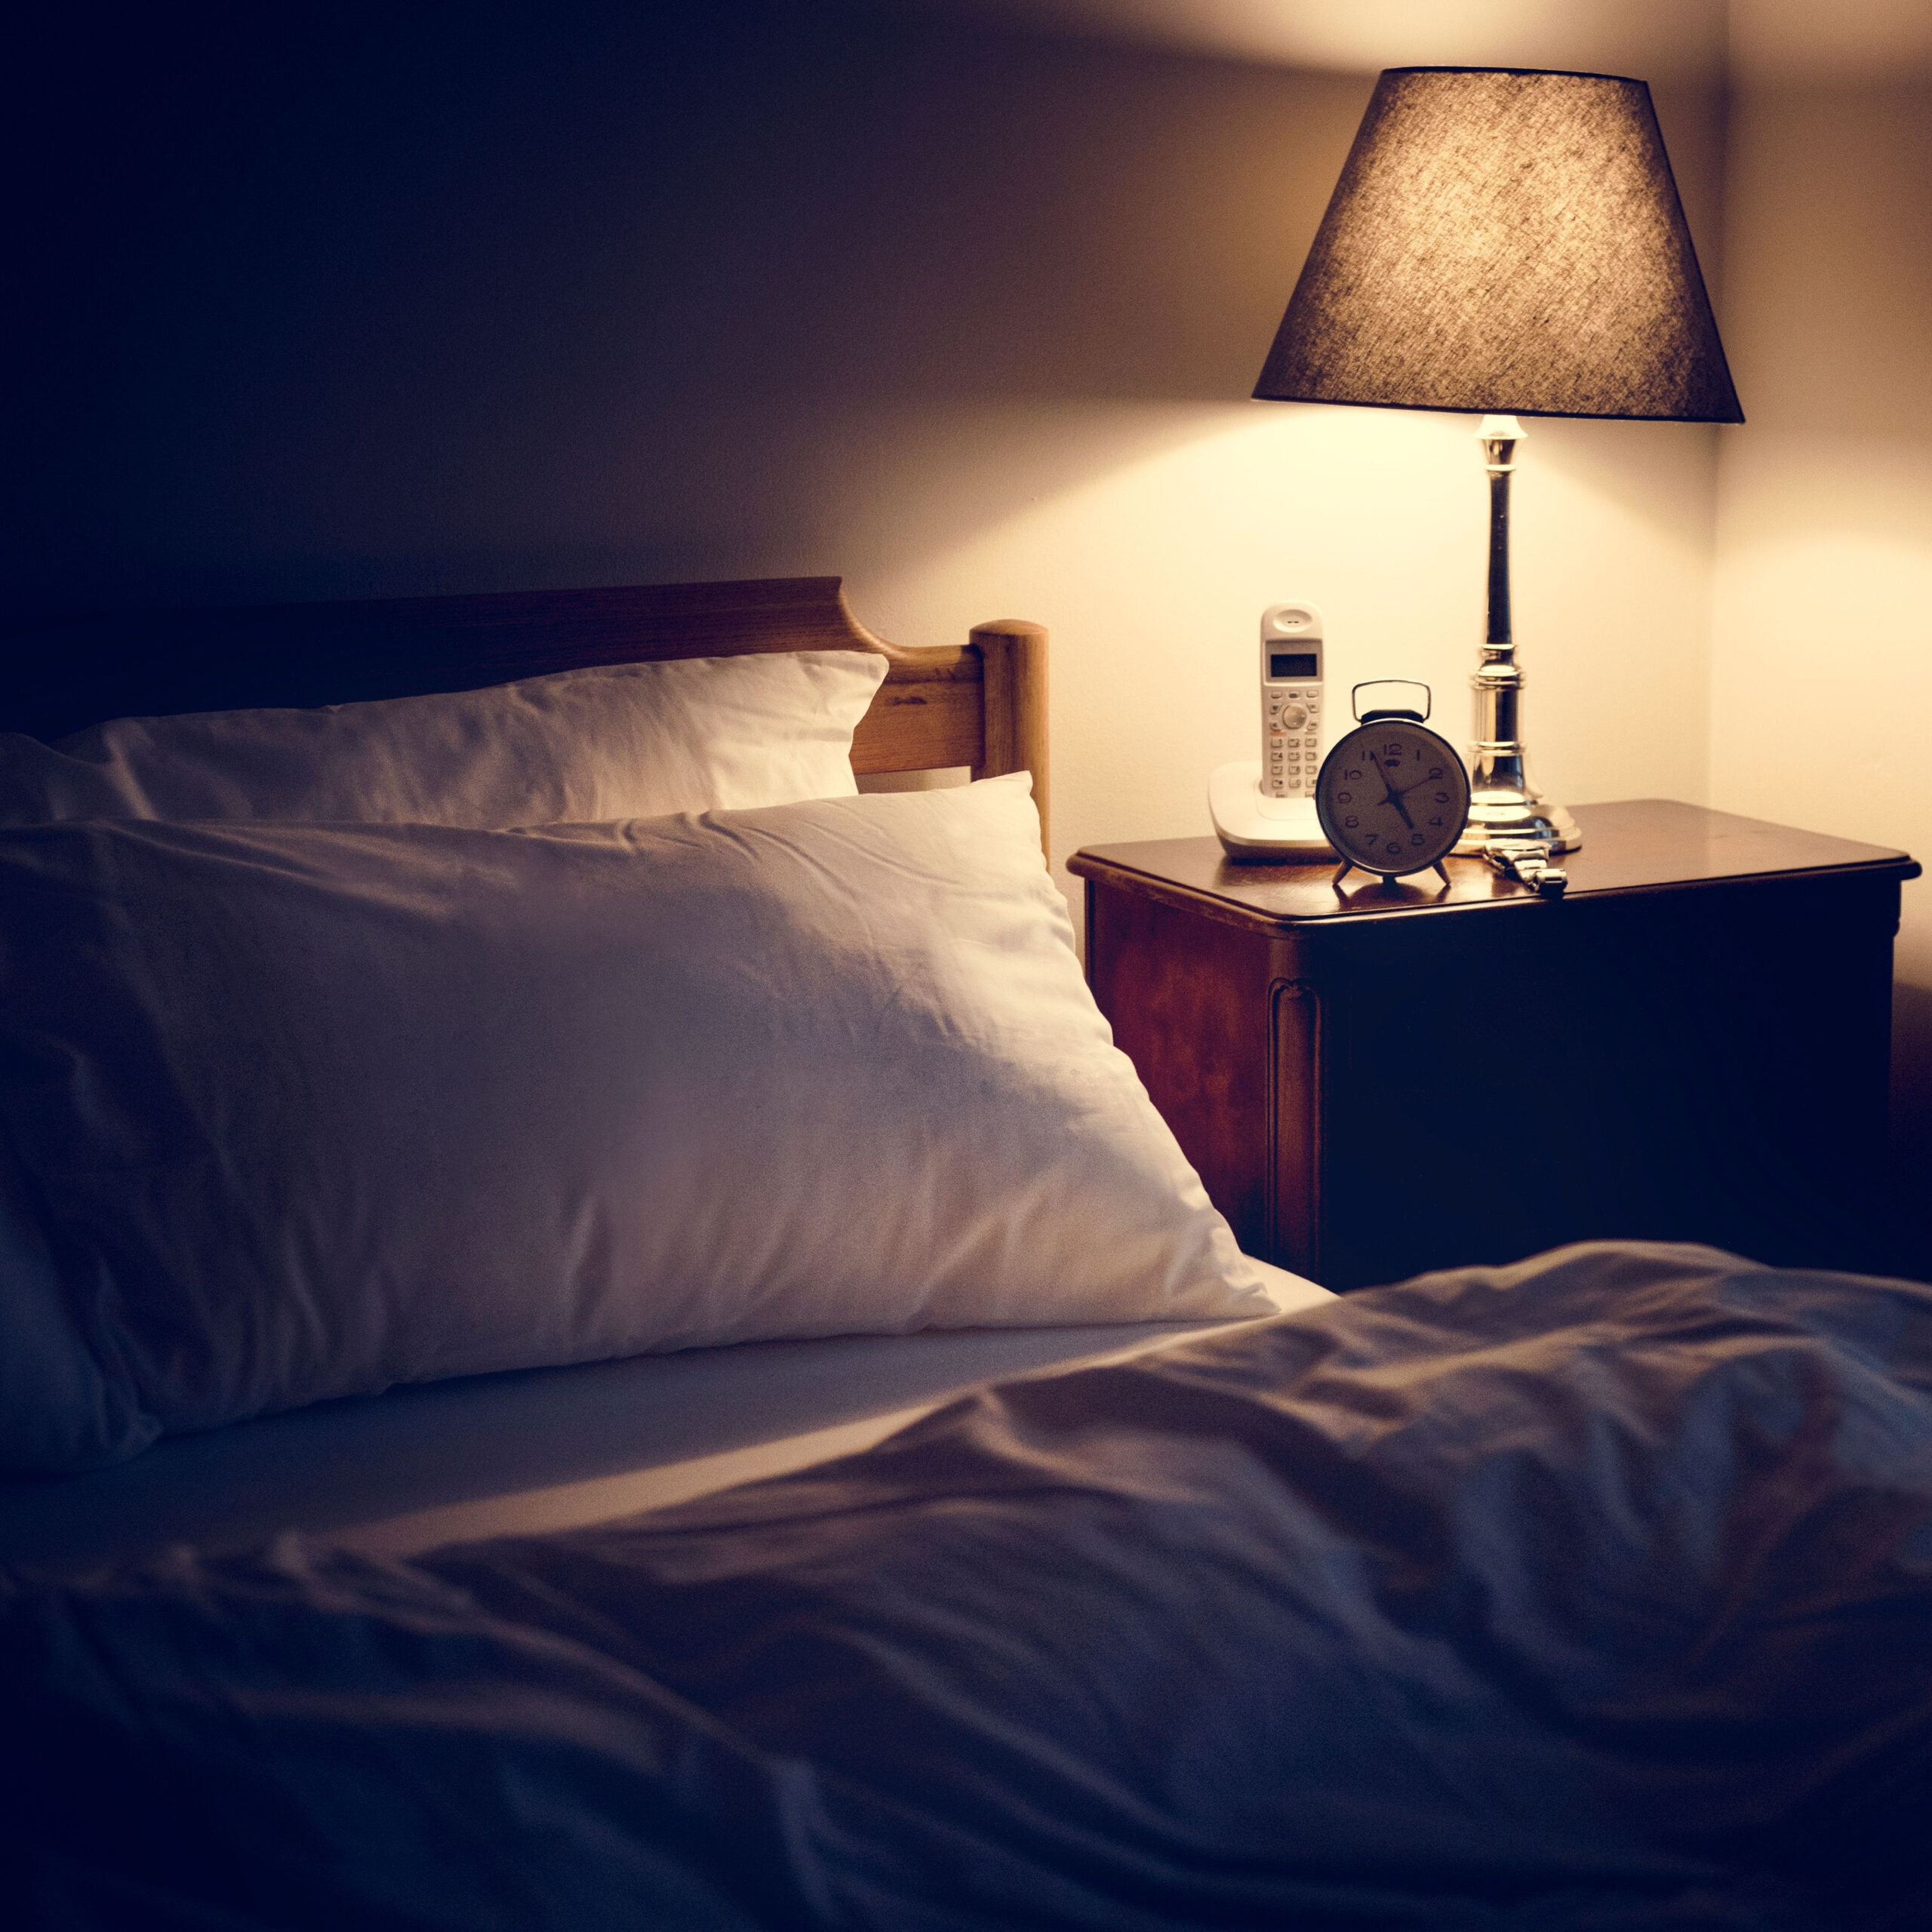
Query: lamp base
x,y
1508,815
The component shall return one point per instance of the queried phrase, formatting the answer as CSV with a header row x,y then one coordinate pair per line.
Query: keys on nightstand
x,y
1524,861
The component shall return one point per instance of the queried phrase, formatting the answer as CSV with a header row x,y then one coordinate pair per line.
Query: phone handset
x,y
1291,701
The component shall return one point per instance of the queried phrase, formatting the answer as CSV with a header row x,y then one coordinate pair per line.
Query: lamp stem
x,y
1499,459
1503,805
1499,679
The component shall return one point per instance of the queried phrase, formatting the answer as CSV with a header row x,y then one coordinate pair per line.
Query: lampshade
x,y
1505,242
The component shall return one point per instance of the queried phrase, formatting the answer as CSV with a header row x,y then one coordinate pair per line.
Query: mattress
x,y
537,1450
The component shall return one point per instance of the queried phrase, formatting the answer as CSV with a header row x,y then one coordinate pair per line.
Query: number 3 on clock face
x,y
1392,796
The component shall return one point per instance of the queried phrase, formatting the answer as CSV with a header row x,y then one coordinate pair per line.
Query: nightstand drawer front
x,y
1671,1067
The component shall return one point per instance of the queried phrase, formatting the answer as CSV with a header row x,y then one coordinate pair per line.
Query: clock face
x,y
1393,797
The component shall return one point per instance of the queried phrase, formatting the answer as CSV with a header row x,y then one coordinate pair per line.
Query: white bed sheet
x,y
541,1449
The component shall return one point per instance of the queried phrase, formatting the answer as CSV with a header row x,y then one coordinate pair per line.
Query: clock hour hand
x,y
1394,798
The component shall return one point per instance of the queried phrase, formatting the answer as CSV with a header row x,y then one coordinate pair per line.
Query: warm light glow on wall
x,y
1151,567
1655,38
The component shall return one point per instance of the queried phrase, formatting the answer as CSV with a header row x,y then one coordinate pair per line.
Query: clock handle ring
x,y
1391,710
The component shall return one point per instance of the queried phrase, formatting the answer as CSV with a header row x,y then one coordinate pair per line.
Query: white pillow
x,y
312,1109
614,741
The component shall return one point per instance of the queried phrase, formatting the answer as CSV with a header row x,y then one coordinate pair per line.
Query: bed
x,y
543,1447
1591,1592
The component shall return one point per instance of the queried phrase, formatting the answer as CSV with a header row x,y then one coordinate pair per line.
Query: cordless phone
x,y
1263,809
1291,701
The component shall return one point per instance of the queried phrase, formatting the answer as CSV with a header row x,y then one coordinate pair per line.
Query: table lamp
x,y
1507,242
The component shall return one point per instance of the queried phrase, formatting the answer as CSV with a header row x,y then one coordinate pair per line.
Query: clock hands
x,y
1415,839
1404,791
1394,797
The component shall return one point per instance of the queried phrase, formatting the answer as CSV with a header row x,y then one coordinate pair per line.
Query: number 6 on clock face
x,y
1392,796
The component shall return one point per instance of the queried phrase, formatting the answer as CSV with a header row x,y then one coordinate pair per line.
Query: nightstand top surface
x,y
1634,845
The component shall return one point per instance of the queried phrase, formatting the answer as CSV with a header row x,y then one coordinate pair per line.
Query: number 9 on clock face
x,y
1392,796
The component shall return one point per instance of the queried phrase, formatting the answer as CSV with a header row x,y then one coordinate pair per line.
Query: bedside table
x,y
1692,1044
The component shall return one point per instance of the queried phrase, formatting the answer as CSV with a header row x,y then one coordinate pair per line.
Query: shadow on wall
x,y
331,302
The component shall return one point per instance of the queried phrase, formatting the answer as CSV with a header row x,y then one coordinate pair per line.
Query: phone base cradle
x,y
1261,830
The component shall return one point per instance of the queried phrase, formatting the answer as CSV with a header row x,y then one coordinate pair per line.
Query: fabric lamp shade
x,y
1505,242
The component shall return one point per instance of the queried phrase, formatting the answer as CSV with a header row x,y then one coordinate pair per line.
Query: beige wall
x,y
1822,636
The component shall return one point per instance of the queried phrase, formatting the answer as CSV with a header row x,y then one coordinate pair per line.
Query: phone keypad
x,y
1291,731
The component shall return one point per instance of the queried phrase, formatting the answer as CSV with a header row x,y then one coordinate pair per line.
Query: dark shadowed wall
x,y
330,301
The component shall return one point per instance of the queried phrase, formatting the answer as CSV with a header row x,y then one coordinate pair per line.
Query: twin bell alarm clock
x,y
1392,796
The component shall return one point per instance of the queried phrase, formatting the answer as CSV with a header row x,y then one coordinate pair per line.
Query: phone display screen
x,y
1291,664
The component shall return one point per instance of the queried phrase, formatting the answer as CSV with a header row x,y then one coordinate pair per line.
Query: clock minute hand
x,y
1406,789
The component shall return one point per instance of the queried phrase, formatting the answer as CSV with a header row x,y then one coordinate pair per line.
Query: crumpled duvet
x,y
1593,1592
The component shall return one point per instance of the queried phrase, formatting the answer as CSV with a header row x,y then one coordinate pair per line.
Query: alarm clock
x,y
1392,796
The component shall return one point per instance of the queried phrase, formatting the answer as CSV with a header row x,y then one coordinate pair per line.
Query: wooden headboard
x,y
981,704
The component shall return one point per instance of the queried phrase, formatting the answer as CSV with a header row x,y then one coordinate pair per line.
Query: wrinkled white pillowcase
x,y
616,741
307,1110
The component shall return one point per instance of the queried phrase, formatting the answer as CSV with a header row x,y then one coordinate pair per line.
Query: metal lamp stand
x,y
1510,822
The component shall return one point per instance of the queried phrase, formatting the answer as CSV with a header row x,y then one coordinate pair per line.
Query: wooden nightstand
x,y
1691,1045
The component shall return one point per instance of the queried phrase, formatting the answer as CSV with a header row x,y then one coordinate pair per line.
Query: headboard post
x,y
1012,655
